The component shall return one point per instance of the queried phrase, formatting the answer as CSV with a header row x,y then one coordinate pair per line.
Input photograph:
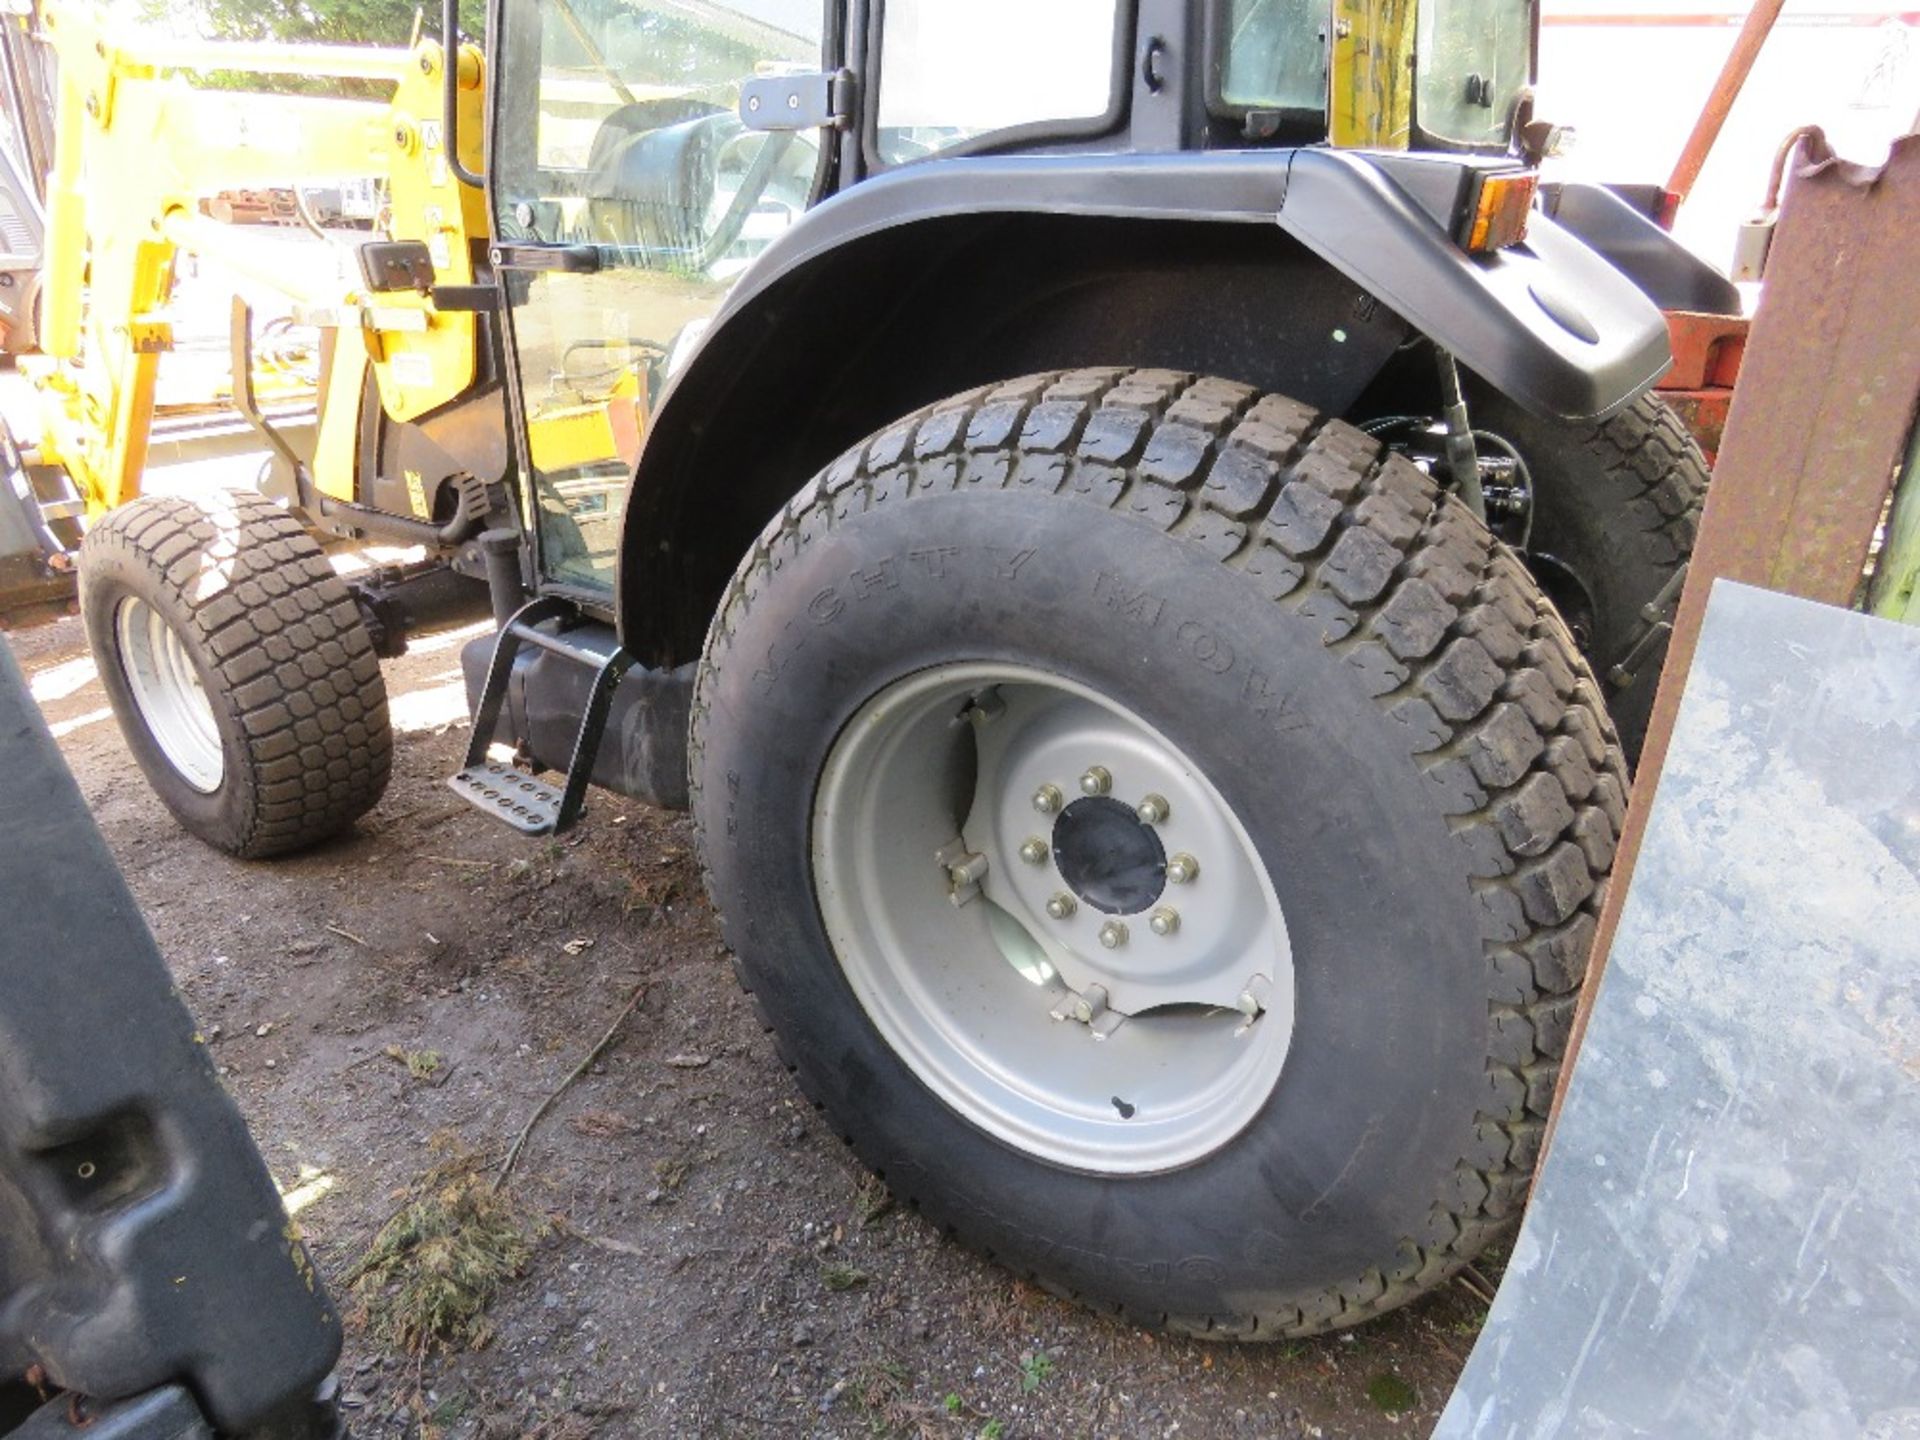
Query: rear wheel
x,y
1165,834
239,669
1616,504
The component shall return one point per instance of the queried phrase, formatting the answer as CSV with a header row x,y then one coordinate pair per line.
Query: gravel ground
x,y
710,1260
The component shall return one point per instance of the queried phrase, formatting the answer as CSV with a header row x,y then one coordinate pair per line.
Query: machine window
x,y
949,72
627,139
1276,55
1475,56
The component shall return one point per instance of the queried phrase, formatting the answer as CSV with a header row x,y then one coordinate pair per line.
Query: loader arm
x,y
136,148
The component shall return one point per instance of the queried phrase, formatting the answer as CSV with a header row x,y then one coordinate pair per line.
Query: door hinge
x,y
574,259
798,102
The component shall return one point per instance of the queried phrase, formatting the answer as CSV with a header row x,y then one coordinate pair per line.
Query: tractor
x,y
1141,533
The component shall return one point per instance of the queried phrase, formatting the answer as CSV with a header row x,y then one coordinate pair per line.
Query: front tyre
x,y
238,667
1165,834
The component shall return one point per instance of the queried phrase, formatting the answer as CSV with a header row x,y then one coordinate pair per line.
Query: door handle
x,y
573,259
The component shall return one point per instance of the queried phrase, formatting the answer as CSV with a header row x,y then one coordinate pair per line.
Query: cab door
x,y
627,198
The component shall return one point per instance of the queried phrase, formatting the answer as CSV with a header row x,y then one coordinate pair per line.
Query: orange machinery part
x,y
1706,362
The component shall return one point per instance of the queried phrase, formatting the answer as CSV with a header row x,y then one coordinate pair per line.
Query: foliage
x,y
1035,1367
836,1275
336,22
332,22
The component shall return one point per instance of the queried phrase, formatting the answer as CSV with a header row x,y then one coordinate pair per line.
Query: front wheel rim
x,y
1053,918
166,690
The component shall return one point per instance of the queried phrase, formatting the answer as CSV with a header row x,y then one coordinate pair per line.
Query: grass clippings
x,y
838,1276
421,1064
436,1266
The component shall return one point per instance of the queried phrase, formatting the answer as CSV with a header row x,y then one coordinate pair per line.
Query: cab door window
x,y
617,130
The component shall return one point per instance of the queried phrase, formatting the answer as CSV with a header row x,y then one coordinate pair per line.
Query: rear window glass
x,y
951,70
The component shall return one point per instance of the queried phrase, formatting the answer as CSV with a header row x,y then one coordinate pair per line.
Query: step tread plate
x,y
528,804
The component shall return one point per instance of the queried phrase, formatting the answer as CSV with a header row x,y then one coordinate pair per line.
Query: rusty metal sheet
x,y
1827,394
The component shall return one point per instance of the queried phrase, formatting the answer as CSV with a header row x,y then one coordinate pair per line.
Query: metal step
x,y
530,805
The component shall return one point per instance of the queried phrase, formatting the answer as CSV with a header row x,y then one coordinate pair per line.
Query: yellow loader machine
x,y
1142,537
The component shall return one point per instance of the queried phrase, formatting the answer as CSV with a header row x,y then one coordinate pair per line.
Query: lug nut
x,y
1097,781
1253,1000
1113,934
1047,799
1183,869
1034,852
970,871
1090,1005
1164,921
1062,906
1152,810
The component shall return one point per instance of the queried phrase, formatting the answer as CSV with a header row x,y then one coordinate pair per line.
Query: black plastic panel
x,y
1673,277
142,1242
1485,308
1339,204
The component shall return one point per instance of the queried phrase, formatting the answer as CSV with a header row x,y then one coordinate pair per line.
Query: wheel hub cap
x,y
1107,857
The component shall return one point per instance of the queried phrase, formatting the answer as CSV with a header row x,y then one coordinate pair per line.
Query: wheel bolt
x,y
1164,921
1097,781
1152,810
1062,906
1253,999
970,871
1113,934
1047,799
1034,852
1183,869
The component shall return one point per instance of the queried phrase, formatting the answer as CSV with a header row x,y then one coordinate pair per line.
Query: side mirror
x,y
390,266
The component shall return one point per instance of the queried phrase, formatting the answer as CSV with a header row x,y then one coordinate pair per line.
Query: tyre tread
x,y
294,659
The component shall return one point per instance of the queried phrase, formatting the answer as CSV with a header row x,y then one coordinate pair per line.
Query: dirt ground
x,y
711,1260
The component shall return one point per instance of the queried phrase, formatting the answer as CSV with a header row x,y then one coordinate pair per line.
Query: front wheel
x,y
1164,833
238,667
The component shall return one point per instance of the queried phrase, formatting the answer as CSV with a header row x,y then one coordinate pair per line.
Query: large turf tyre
x,y
1376,694
1616,504
239,669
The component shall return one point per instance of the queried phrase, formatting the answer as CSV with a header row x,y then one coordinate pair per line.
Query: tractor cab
x,y
643,155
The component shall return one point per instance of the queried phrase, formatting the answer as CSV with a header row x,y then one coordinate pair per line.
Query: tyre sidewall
x,y
1368,1123
112,574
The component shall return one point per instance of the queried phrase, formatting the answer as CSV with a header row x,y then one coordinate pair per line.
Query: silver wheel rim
x,y
1120,1054
167,691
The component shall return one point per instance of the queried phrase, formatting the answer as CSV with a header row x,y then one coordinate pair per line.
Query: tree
x,y
333,22
337,22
